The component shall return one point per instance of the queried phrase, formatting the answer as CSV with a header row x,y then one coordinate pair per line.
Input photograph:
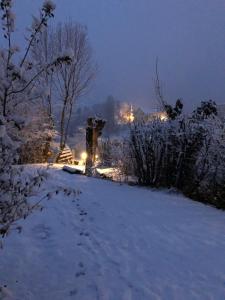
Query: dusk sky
x,y
127,35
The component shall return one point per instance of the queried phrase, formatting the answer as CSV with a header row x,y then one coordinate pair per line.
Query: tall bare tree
x,y
69,82
158,88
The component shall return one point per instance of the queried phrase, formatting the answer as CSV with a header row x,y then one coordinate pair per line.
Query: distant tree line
x,y
112,110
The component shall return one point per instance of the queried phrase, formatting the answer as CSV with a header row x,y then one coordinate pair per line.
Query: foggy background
x,y
188,37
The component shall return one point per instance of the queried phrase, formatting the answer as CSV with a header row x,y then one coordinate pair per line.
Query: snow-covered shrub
x,y
18,91
111,152
206,109
15,186
114,153
210,165
105,150
187,153
36,137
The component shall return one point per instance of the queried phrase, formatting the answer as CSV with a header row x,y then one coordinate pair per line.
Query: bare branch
x,y
158,88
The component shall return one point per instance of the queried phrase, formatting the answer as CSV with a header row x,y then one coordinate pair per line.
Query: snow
x,y
108,172
115,242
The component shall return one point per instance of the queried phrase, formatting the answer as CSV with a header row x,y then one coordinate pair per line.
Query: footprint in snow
x,y
42,231
84,233
82,213
81,272
73,292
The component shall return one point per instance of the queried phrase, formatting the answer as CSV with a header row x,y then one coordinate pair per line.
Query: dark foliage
x,y
174,112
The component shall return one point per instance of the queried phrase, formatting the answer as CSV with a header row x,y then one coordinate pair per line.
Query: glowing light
x,y
128,117
96,156
163,117
131,117
127,114
84,156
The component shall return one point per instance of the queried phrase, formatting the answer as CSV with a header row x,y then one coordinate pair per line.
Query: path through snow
x,y
116,242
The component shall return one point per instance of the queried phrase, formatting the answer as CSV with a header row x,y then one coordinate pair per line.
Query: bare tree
x,y
172,112
19,77
158,88
69,82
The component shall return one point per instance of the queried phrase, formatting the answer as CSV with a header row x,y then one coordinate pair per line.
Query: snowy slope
x,y
116,242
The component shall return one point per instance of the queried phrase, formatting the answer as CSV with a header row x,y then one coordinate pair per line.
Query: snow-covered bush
x,y
18,97
105,149
111,152
36,137
210,165
114,153
187,153
15,186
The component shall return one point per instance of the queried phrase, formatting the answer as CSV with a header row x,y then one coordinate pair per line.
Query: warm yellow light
x,y
163,117
83,155
127,114
96,156
128,117
131,118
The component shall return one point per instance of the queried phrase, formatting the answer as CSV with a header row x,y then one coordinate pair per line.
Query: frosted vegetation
x,y
18,118
186,153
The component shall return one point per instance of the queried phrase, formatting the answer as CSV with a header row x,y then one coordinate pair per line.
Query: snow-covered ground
x,y
115,242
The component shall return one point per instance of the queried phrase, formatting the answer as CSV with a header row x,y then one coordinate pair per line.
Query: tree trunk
x,y
93,131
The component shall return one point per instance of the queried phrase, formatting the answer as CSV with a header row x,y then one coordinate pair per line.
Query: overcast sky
x,y
188,36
